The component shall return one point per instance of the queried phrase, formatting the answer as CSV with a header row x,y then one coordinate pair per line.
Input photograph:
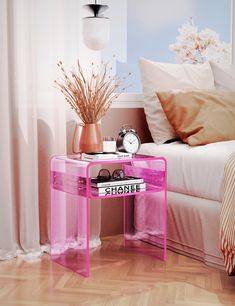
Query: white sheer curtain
x,y
34,36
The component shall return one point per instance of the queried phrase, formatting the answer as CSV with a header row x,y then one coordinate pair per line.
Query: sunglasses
x,y
105,175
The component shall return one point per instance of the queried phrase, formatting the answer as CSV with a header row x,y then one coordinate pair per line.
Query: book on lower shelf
x,y
119,189
127,180
106,156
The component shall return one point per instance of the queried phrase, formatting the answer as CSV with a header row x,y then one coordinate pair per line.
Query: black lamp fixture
x,y
96,28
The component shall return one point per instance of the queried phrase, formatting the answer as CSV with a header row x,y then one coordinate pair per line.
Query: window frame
x,y
129,100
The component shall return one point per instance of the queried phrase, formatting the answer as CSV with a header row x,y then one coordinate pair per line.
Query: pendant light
x,y
96,28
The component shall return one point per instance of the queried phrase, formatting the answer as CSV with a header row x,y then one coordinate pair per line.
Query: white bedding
x,y
196,171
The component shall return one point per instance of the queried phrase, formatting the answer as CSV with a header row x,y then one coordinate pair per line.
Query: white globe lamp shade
x,y
96,32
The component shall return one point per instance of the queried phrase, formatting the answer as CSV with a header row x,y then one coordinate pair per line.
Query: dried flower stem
x,y
91,99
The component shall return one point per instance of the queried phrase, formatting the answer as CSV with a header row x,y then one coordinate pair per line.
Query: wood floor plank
x,y
118,278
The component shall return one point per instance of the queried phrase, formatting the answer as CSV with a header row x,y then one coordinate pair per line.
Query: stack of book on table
x,y
110,187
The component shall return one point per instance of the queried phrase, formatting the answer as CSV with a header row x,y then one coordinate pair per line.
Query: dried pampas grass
x,y
91,98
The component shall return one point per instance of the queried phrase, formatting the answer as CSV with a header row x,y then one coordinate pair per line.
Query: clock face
x,y
131,143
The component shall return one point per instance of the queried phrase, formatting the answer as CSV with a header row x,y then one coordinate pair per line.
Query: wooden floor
x,y
119,278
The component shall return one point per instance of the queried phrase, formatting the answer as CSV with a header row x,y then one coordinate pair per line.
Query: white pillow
x,y
224,76
164,77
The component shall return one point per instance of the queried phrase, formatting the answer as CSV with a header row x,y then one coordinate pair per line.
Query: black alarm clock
x,y
128,140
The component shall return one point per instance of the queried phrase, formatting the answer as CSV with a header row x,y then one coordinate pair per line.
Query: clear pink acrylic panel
x,y
71,197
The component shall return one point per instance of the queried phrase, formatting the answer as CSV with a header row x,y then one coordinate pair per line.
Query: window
x,y
146,28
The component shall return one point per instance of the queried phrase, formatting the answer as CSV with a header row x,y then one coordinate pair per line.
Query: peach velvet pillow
x,y
200,117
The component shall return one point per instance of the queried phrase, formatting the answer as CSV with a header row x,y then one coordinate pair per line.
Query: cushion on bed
x,y
200,117
224,76
163,77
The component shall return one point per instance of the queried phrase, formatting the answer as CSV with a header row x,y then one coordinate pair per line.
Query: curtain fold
x,y
7,215
24,123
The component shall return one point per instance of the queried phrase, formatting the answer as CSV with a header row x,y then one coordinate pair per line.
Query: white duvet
x,y
197,171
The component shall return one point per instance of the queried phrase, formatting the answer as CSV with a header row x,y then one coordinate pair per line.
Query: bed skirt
x,y
192,225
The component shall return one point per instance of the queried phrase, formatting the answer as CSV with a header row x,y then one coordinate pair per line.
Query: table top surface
x,y
78,159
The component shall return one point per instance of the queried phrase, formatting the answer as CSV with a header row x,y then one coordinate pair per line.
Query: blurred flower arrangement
x,y
90,97
196,47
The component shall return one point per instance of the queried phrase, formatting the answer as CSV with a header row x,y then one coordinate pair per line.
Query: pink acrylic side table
x,y
72,195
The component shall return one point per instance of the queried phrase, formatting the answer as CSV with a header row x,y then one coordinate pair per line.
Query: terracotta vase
x,y
90,138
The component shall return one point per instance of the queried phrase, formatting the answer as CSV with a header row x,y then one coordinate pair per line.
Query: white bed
x,y
195,189
195,103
